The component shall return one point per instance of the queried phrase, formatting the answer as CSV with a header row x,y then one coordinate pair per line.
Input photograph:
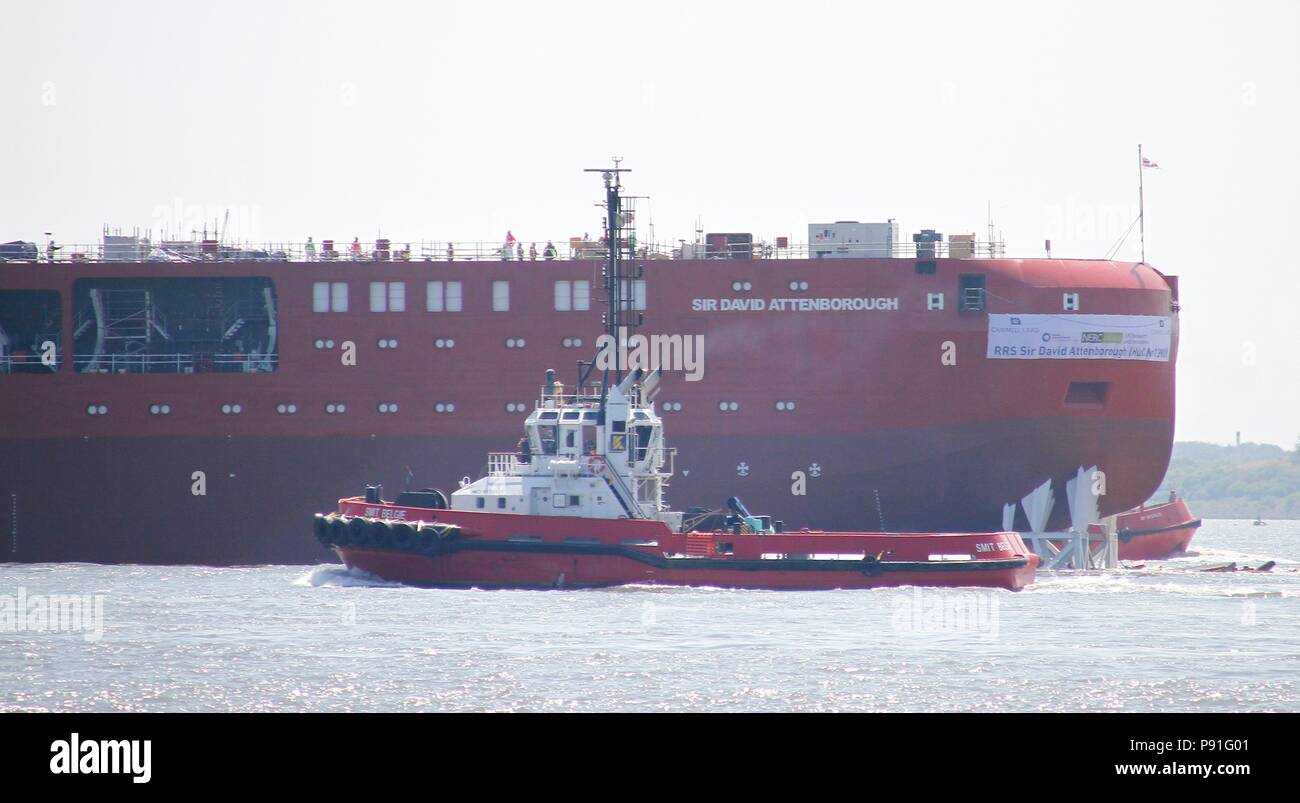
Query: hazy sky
x,y
457,121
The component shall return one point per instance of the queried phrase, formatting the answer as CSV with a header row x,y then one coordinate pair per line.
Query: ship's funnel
x,y
650,386
629,381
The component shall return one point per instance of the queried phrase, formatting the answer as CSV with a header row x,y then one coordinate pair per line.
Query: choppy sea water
x,y
1166,637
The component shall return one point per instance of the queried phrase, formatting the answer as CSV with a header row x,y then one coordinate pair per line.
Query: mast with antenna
x,y
1142,226
614,278
990,215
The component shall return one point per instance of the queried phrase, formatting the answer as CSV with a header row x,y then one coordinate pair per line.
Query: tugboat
x,y
580,504
1156,532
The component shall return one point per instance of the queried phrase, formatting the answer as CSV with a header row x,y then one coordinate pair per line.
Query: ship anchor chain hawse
x,y
581,504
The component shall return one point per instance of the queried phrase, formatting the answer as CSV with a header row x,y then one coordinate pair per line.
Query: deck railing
x,y
505,464
442,251
175,363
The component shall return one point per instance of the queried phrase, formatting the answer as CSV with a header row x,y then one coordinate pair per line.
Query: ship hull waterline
x,y
465,548
248,506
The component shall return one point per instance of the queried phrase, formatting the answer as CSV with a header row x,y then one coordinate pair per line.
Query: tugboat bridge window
x,y
188,325
501,296
443,297
31,331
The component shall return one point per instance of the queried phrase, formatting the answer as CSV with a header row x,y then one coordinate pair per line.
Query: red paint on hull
x,y
512,550
941,446
517,570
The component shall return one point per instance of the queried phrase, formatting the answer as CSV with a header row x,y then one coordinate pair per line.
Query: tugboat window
x,y
547,434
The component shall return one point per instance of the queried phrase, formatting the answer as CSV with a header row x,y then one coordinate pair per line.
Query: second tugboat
x,y
581,504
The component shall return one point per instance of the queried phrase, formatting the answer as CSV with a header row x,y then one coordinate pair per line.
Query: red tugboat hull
x,y
1155,533
502,550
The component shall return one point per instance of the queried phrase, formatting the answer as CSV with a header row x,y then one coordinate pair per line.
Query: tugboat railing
x,y
505,464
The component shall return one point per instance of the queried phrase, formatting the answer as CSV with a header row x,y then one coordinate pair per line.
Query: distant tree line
x,y
1253,479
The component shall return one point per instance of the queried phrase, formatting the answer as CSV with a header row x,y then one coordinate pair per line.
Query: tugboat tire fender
x,y
337,531
381,534
403,535
357,531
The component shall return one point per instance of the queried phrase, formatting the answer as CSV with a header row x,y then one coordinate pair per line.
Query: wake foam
x,y
333,576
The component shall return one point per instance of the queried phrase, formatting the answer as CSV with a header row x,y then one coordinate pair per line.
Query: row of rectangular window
x,y
449,296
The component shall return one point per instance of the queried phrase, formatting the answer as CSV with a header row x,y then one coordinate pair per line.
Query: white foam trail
x,y
332,576
1158,581
1212,556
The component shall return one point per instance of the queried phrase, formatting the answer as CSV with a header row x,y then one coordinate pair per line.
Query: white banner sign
x,y
1079,337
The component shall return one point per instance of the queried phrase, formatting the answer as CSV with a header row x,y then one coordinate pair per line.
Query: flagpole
x,y
1142,224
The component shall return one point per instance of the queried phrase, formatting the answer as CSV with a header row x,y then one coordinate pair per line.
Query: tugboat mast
x,y
614,279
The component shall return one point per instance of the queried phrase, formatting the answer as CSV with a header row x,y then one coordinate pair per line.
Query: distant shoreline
x,y
1199,515
1234,482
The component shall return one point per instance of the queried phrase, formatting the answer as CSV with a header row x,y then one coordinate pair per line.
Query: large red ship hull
x,y
901,421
